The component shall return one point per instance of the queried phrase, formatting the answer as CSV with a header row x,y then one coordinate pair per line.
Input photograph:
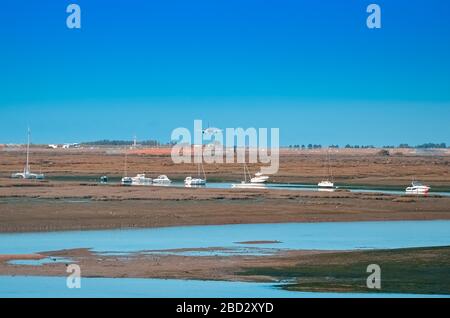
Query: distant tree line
x,y
429,145
106,142
348,146
314,146
310,146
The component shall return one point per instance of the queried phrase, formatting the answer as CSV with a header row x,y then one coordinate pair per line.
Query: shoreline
x,y
320,271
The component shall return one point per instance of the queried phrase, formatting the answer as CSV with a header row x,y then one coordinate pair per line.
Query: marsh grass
x,y
412,271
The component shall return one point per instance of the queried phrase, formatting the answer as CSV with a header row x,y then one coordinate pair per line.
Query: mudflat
x,y
71,197
29,206
415,270
349,166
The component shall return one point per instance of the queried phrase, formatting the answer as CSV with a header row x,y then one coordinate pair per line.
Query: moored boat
x,y
141,179
259,178
162,180
417,188
257,182
189,181
327,183
26,174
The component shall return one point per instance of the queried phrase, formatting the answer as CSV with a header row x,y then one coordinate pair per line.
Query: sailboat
x,y
189,181
138,180
253,183
126,180
26,174
327,184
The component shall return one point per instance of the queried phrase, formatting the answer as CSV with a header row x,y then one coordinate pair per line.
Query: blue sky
x,y
311,68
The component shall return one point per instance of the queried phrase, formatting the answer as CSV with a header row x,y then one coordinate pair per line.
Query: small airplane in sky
x,y
212,131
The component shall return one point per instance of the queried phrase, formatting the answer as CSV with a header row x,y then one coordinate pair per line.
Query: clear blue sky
x,y
311,68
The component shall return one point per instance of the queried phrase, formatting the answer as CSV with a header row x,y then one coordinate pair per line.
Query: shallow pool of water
x,y
42,287
306,236
41,262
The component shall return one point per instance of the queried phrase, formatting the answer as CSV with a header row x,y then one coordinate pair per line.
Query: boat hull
x,y
326,185
410,190
194,182
249,186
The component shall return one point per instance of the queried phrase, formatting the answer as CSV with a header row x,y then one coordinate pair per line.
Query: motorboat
x,y
141,179
259,178
326,184
162,180
417,188
127,181
26,174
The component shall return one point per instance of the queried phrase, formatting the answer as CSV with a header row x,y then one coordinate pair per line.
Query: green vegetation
x,y
412,271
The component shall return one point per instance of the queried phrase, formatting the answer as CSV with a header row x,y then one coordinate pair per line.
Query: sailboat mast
x,y
204,173
328,162
27,166
125,168
330,168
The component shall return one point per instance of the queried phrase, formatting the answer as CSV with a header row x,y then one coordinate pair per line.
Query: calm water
x,y
20,286
318,236
40,262
324,236
313,188
275,186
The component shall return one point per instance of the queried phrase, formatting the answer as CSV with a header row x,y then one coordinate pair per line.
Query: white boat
x,y
259,178
140,179
189,181
327,184
162,180
258,182
249,185
417,188
26,174
127,181
326,189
